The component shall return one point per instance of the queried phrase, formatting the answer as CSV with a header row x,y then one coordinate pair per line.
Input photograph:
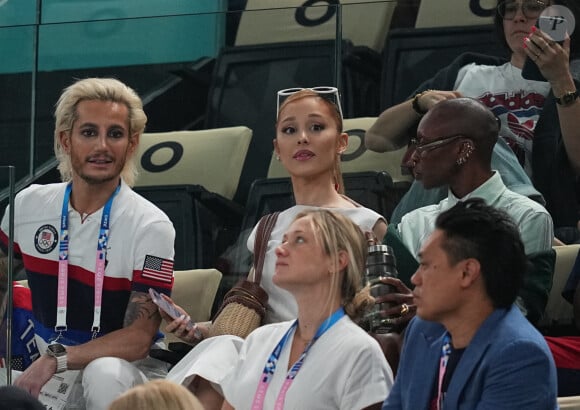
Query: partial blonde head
x,y
157,394
102,89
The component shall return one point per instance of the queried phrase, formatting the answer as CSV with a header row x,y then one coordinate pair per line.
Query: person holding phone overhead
x,y
540,120
309,142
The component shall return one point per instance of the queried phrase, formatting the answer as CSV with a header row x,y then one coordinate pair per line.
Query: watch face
x,y
57,349
568,98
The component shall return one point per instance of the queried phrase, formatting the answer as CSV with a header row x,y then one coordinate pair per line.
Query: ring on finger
x,y
404,309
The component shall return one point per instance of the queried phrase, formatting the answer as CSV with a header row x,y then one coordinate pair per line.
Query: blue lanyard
x,y
272,362
99,265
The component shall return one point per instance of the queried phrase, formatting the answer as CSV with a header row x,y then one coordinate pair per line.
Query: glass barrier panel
x,y
64,11
17,12
9,358
16,84
123,42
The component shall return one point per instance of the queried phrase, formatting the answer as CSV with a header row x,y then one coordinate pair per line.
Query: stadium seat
x,y
194,290
264,21
558,311
211,158
412,55
205,222
569,403
445,13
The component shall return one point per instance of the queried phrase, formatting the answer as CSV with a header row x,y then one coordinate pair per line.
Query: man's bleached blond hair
x,y
102,89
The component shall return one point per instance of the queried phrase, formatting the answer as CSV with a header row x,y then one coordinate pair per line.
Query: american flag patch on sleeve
x,y
158,269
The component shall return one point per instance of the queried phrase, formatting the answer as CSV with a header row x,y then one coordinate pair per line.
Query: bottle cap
x,y
380,248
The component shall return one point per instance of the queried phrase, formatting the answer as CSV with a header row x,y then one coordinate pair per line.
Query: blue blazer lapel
x,y
427,354
471,358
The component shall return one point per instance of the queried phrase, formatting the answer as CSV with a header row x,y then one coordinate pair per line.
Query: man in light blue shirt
x,y
454,145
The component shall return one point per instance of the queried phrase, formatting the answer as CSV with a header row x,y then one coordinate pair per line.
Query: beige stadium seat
x,y
211,158
357,158
364,23
558,310
194,290
569,403
445,13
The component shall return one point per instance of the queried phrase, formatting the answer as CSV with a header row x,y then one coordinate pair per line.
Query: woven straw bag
x,y
244,306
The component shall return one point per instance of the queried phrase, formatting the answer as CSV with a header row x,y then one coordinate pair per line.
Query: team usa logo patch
x,y
158,269
45,239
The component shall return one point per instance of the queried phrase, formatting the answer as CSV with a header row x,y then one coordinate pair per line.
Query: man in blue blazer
x,y
469,347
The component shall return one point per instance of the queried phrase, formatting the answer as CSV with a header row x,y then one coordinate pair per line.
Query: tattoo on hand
x,y
140,306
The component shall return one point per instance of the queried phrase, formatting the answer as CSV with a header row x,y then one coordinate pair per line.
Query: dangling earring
x,y
277,157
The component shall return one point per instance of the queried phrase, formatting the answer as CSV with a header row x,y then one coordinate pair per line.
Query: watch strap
x,y
61,363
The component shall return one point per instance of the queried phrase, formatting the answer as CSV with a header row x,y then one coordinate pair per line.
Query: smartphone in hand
x,y
555,27
171,310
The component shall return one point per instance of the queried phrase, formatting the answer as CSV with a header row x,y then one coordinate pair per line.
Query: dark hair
x,y
16,398
473,229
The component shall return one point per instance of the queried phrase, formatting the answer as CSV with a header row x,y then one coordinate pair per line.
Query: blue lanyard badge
x,y
102,241
272,362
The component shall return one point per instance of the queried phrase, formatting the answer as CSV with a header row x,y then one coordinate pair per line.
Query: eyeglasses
x,y
530,8
329,93
423,149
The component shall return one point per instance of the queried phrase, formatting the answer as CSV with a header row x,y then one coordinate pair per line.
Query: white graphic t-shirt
x,y
517,102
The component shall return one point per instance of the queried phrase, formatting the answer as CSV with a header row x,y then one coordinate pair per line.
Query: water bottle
x,y
381,263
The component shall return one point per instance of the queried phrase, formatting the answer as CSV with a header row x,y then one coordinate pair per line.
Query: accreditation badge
x,y
56,392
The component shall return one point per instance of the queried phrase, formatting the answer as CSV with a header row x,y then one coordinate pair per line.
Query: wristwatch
x,y
58,351
568,98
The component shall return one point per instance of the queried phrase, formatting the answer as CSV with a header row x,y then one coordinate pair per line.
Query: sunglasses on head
x,y
328,93
531,9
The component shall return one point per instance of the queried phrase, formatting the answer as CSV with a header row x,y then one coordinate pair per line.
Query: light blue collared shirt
x,y
534,222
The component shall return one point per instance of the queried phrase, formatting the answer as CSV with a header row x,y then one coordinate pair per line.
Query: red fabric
x,y
21,297
566,351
